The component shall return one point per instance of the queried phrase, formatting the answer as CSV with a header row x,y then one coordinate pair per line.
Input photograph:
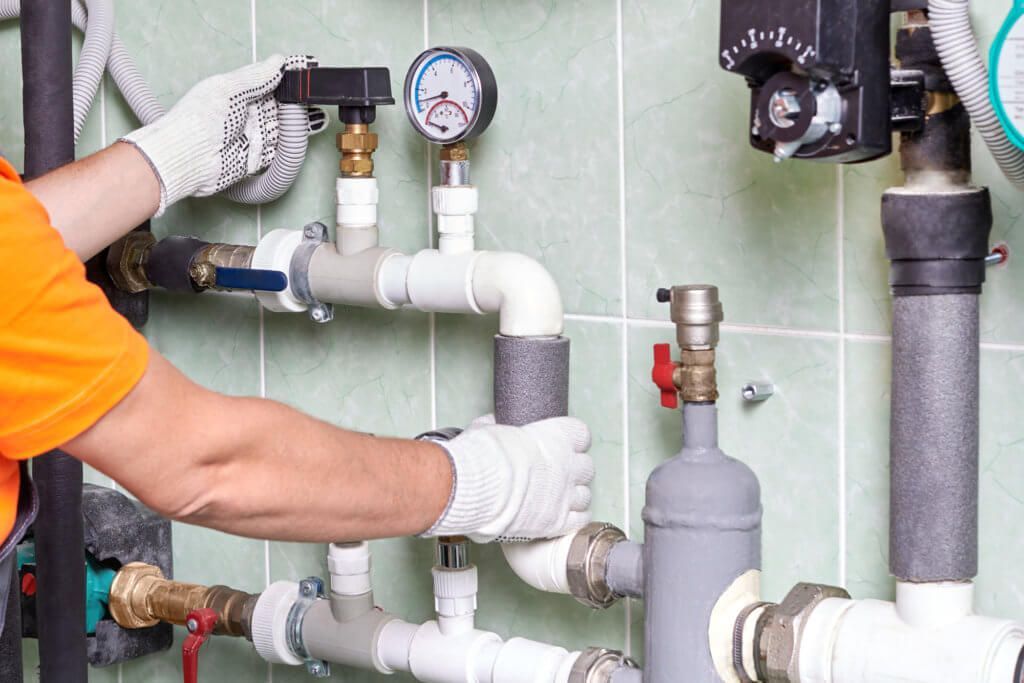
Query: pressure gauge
x,y
1007,74
450,94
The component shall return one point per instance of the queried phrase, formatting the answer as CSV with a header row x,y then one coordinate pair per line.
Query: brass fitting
x,y
126,261
357,145
457,151
203,270
696,376
140,596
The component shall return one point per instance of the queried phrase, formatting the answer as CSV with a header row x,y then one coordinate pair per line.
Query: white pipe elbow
x,y
541,564
521,291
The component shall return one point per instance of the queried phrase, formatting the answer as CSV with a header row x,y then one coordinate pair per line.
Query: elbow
x,y
521,291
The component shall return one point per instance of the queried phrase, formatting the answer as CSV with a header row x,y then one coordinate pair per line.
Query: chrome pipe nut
x,y
588,561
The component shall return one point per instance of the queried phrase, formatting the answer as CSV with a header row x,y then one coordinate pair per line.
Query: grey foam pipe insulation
x,y
49,143
934,528
531,379
702,524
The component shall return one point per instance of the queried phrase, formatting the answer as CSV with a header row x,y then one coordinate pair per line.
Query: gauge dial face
x,y
446,95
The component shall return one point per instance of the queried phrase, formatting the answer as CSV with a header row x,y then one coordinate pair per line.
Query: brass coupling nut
x,y
780,629
598,665
455,152
357,145
126,261
587,564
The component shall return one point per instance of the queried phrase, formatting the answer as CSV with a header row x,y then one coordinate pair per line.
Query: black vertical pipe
x,y
10,640
50,143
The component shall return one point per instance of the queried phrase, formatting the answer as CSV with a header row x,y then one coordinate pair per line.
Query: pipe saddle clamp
x,y
780,629
587,564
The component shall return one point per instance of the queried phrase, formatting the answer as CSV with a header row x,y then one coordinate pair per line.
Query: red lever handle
x,y
200,625
663,373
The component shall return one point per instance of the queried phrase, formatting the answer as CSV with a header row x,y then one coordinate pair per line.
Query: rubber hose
x,y
950,22
292,142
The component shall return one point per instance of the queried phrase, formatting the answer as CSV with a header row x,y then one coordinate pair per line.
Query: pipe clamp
x,y
310,590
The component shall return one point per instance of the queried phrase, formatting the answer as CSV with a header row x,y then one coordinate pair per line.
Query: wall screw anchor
x,y
756,391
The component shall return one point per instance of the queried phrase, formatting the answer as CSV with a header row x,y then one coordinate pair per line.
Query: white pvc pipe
x,y
950,22
476,656
867,641
521,291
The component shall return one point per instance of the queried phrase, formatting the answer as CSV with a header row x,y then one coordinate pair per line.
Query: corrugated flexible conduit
x,y
950,22
103,49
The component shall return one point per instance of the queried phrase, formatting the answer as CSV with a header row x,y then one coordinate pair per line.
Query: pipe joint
x,y
600,665
587,564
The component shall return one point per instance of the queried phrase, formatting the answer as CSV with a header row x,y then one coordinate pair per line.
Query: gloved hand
x,y
518,483
222,130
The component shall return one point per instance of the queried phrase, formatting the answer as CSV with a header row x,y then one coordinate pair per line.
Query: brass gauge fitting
x,y
357,145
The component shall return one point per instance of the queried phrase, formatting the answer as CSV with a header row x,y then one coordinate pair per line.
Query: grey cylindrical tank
x,y
934,438
702,521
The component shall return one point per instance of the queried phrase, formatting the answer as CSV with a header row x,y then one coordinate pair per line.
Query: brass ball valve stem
x,y
140,596
357,145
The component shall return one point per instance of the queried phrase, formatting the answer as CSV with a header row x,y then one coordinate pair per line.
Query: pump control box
x,y
818,72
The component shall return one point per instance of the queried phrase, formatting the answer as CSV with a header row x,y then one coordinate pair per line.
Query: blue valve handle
x,y
1002,45
252,279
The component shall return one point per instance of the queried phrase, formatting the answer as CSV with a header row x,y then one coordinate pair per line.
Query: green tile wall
x,y
618,157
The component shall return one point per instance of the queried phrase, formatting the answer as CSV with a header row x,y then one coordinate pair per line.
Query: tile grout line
x,y
262,323
623,294
841,450
431,317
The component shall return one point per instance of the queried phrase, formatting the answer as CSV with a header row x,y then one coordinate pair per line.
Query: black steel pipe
x,y
50,143
10,639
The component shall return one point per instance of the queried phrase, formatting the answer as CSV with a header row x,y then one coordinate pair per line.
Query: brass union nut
x,y
356,167
781,627
357,142
455,152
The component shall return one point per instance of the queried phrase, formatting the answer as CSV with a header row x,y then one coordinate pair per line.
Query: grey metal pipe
x,y
702,522
624,571
531,379
626,674
50,143
934,438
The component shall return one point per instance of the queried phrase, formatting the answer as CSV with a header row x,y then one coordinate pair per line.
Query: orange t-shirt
x,y
66,357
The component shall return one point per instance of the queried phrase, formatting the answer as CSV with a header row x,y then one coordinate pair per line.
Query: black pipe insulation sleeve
x,y
937,242
49,143
169,262
944,144
10,638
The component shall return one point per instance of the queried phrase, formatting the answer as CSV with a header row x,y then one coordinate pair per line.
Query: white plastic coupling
x,y
541,564
455,207
270,623
866,641
275,252
349,567
455,598
357,214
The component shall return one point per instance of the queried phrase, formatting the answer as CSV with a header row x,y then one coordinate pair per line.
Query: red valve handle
x,y
662,374
200,625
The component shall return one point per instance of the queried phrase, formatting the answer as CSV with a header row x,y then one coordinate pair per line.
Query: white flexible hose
x,y
292,142
103,49
950,22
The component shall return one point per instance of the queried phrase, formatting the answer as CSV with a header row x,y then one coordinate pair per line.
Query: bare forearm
x,y
98,199
283,475
259,468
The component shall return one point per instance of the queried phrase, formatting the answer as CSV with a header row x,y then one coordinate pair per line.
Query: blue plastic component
x,y
97,592
97,584
252,279
1007,65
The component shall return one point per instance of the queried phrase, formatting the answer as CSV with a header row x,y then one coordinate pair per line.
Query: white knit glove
x,y
222,130
518,483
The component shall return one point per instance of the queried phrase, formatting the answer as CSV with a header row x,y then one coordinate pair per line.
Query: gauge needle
x,y
442,96
443,129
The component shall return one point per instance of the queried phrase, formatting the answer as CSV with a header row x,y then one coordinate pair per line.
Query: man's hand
x,y
518,483
222,130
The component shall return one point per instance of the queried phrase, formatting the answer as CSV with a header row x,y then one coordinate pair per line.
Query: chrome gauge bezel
x,y
483,80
